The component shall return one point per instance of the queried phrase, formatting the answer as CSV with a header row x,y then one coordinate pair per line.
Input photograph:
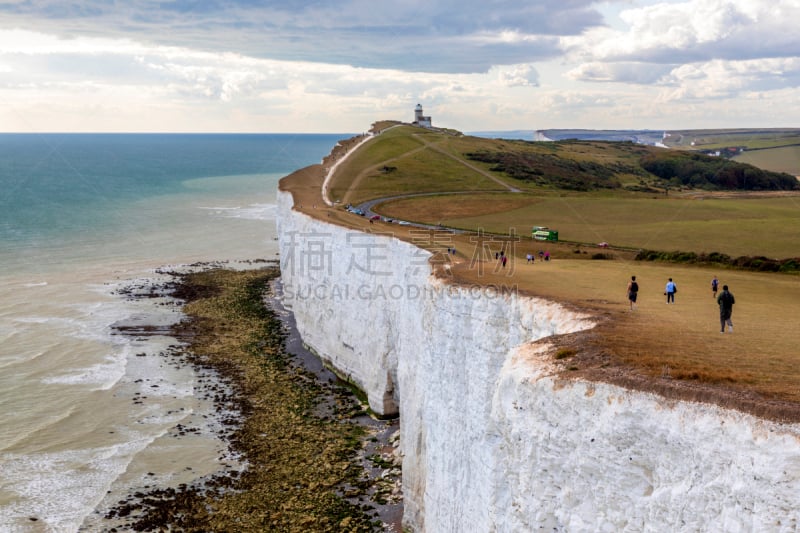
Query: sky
x,y
338,66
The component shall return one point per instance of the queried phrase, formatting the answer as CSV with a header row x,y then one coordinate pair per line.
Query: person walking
x,y
725,301
670,291
633,292
714,287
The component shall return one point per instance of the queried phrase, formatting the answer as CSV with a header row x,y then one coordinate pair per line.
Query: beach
x,y
306,456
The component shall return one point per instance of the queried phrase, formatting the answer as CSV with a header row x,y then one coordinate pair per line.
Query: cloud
x,y
727,79
695,51
518,76
700,30
625,72
415,35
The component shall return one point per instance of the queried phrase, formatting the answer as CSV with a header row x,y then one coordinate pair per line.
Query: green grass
x,y
415,167
384,148
755,226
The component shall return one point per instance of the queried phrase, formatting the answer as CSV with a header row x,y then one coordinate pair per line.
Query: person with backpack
x,y
725,301
633,292
670,291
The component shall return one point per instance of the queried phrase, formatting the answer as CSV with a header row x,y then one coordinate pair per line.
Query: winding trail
x,y
332,170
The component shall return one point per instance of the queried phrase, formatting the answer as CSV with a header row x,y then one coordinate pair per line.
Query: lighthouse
x,y
420,119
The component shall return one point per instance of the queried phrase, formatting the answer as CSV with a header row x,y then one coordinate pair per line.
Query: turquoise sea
x,y
86,416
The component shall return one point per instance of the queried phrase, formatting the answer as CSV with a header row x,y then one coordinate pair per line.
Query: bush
x,y
757,263
552,170
704,172
563,353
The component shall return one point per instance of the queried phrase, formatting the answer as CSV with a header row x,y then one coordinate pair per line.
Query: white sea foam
x,y
60,489
100,376
33,319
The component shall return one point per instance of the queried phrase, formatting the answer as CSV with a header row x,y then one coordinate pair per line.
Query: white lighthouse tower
x,y
420,119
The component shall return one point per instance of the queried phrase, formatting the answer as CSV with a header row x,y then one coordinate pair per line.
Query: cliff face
x,y
493,439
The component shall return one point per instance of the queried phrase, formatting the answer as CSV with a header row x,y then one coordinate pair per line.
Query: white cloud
x,y
695,31
518,76
627,72
728,79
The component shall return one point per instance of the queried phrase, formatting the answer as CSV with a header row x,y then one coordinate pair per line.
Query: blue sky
x,y
325,66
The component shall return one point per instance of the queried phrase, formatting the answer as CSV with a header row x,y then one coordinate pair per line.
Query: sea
x,y
87,415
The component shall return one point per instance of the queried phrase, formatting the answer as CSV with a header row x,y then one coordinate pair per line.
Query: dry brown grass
x,y
435,208
677,342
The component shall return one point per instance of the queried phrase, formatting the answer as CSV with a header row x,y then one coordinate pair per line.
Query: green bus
x,y
542,233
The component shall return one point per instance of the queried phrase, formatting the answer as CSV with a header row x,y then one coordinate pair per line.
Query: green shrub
x,y
757,263
563,353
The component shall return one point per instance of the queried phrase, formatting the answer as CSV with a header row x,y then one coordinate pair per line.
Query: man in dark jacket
x,y
725,301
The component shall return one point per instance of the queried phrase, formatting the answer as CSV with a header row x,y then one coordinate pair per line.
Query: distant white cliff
x,y
493,439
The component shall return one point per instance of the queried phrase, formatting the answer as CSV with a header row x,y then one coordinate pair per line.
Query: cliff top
x,y
675,350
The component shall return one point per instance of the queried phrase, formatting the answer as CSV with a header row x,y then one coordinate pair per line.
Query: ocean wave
x,y
250,212
100,376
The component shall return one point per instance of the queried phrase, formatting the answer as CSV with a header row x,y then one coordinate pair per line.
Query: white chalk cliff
x,y
493,439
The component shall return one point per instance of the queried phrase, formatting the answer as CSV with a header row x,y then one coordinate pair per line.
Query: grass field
x,y
733,226
782,159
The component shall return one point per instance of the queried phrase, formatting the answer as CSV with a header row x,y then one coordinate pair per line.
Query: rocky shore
x,y
313,460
